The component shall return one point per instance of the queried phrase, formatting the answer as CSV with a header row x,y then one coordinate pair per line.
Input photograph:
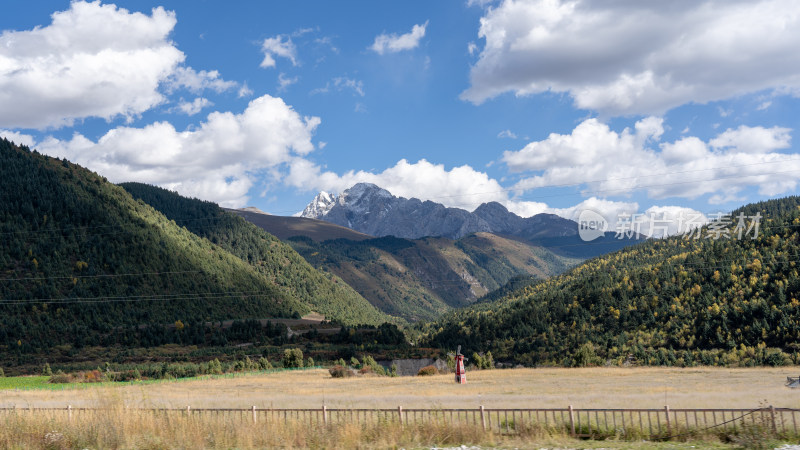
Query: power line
x,y
107,275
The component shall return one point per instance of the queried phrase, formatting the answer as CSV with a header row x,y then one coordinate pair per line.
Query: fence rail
x,y
660,423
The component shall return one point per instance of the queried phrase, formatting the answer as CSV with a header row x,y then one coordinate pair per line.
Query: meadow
x,y
117,426
650,387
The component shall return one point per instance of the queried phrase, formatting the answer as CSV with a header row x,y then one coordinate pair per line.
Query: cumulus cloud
x,y
628,57
461,186
219,160
393,43
195,106
18,138
619,163
93,60
278,46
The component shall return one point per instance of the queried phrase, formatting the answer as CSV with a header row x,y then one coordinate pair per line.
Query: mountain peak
x,y
320,206
364,191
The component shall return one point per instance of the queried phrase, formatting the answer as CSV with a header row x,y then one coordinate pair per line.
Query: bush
x,y
369,362
60,378
46,371
292,357
340,372
427,370
264,364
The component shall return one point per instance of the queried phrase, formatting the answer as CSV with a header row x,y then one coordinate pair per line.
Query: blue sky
x,y
542,105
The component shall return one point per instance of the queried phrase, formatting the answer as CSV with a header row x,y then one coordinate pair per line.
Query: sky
x,y
618,106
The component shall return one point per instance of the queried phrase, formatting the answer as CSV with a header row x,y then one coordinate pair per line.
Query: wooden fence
x,y
662,423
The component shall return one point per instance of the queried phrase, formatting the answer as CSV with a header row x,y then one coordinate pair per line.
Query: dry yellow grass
x,y
518,388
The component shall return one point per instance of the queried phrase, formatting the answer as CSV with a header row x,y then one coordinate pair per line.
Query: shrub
x,y
60,377
264,364
46,371
292,357
310,362
427,370
338,371
369,361
92,376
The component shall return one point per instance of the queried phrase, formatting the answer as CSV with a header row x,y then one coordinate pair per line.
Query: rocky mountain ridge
x,y
369,209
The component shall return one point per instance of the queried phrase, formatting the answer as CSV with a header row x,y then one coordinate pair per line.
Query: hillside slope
x,y
675,301
275,260
80,257
420,279
285,227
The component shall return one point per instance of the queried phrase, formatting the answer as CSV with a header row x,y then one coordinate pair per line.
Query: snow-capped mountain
x,y
372,210
320,206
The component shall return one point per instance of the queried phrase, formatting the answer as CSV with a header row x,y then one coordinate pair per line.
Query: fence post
x,y
69,412
571,421
774,426
483,419
324,415
666,411
400,414
255,417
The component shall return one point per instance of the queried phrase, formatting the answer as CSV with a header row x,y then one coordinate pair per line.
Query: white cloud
x,y
753,139
195,106
218,161
357,86
461,187
392,43
613,163
609,209
278,46
188,78
244,91
479,3
506,134
284,81
340,84
18,138
328,42
93,60
637,57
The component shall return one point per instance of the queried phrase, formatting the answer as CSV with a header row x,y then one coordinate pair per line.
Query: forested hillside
x,y
675,301
419,279
281,265
80,257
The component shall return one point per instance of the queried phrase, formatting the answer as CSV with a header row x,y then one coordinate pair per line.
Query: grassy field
x,y
518,388
24,382
117,427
